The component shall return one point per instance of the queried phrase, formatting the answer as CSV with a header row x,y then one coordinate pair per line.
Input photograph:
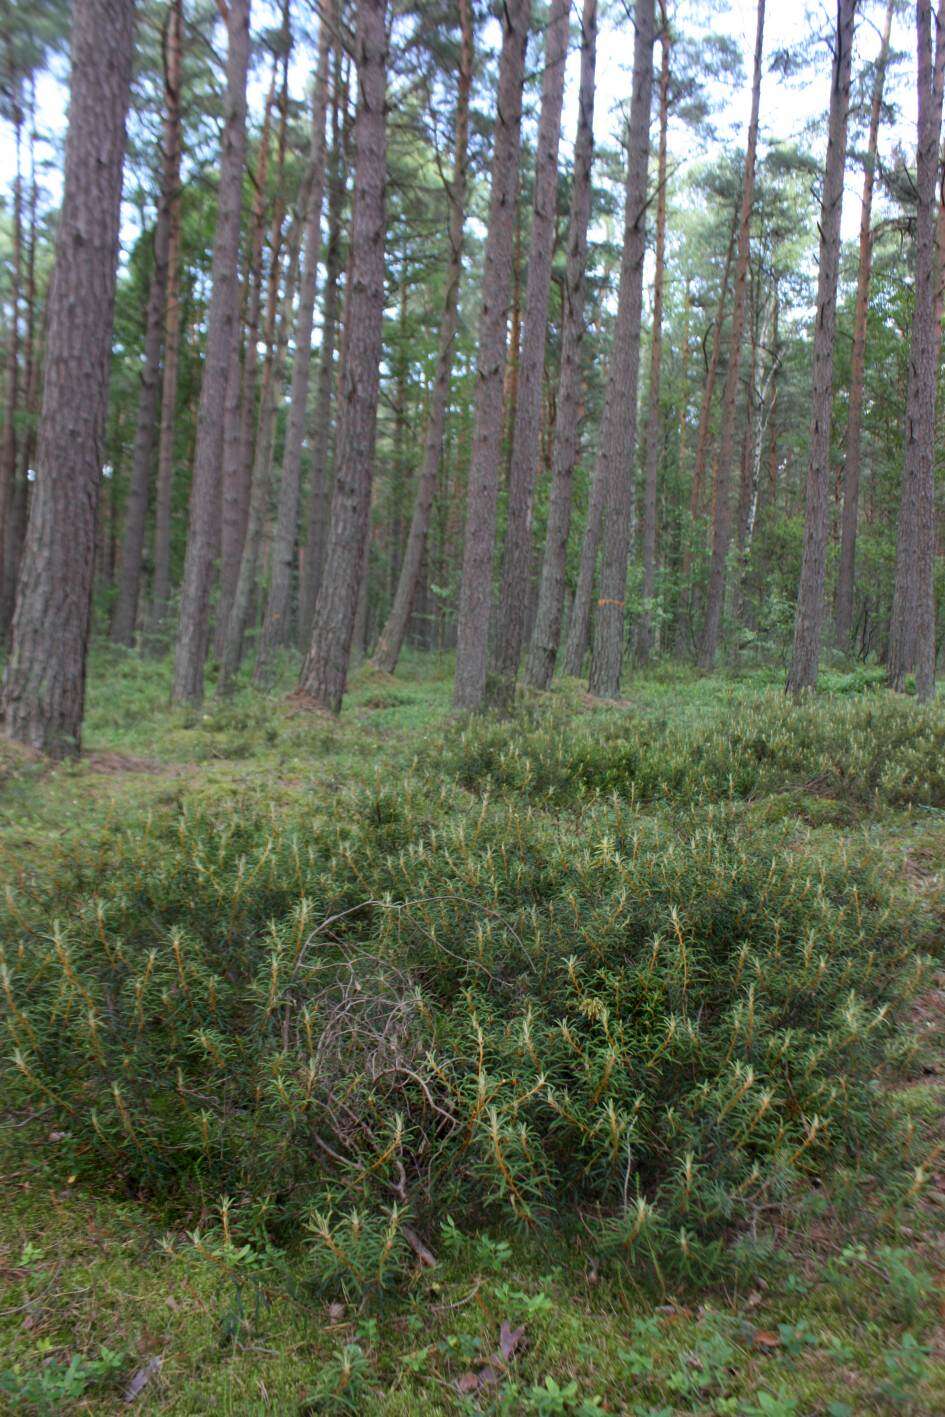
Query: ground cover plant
x,y
552,1064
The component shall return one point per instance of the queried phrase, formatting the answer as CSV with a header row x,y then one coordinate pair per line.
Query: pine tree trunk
x,y
654,423
319,499
8,445
44,683
854,437
721,527
392,636
810,597
546,636
618,435
275,629
125,610
513,596
222,319
324,672
912,629
161,588
270,397
475,596
241,386
32,372
697,491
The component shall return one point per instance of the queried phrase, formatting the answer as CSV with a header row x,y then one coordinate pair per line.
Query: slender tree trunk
x,y
8,446
618,434
912,629
324,672
810,597
513,597
475,596
44,683
546,635
241,384
697,491
270,397
275,630
654,423
222,321
392,636
125,611
161,589
854,437
721,528
32,371
319,488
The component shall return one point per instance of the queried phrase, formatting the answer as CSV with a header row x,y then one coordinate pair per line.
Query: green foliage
x,y
400,1003
47,1389
861,748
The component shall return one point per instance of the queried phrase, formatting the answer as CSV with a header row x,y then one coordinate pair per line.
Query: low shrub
x,y
400,1007
862,748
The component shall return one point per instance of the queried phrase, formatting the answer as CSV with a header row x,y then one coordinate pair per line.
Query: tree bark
x,y
697,491
8,446
241,387
392,636
513,596
618,434
475,596
854,437
810,597
912,628
319,498
222,318
324,672
270,396
721,528
173,65
275,629
654,422
44,683
125,611
546,636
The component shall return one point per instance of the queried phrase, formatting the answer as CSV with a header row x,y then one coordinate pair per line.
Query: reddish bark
x,y
325,670
44,682
475,597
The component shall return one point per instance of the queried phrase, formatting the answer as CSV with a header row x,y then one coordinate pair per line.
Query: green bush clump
x,y
863,748
400,1007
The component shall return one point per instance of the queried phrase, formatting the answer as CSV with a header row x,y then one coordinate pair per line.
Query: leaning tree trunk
x,y
722,519
854,437
125,612
654,422
222,318
618,433
805,660
392,636
475,596
161,587
517,556
319,495
546,634
275,629
325,670
912,629
44,683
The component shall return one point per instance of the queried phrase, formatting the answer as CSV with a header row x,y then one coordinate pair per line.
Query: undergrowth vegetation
x,y
570,977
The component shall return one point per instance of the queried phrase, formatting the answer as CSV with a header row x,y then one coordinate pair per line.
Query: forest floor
x,y
106,1300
